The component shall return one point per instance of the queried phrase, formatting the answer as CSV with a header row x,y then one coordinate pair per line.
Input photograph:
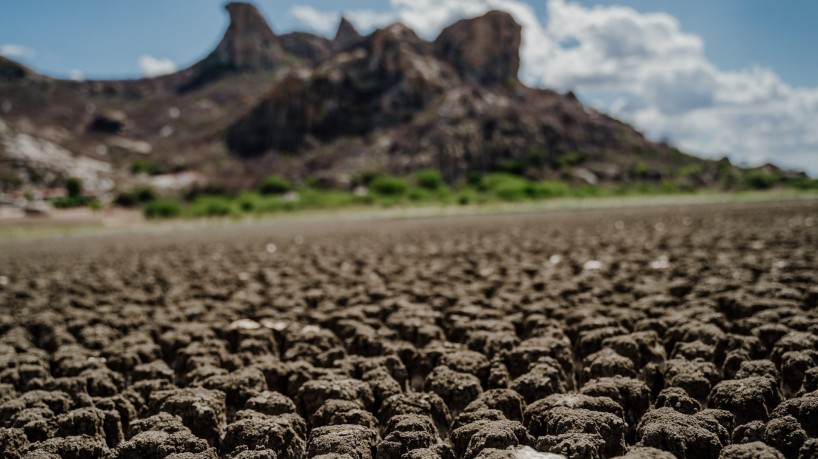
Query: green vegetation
x,y
74,196
274,185
426,187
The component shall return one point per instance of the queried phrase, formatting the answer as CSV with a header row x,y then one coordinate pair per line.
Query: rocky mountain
x,y
305,107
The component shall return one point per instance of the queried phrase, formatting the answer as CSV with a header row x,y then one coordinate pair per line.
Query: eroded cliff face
x,y
454,104
483,50
248,44
306,106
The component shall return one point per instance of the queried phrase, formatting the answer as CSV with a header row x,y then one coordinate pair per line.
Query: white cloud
x,y
76,75
11,50
152,66
319,21
649,70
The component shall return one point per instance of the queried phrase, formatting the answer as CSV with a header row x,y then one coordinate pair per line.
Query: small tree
x,y
275,185
73,186
429,179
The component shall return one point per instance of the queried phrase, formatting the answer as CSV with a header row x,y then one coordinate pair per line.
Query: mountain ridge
x,y
305,107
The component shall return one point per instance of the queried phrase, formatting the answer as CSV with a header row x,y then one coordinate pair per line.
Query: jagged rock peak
x,y
346,35
249,43
484,49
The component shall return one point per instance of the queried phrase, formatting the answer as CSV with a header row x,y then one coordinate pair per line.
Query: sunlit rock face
x,y
485,49
249,43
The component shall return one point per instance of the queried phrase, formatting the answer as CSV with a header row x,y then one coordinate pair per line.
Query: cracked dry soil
x,y
688,332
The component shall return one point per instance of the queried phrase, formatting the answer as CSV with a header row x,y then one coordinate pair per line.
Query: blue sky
x,y
727,77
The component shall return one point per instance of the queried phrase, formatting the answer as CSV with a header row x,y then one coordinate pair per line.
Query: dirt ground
x,y
687,331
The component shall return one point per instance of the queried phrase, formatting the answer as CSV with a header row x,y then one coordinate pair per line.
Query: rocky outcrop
x,y
382,83
346,36
454,105
485,49
248,44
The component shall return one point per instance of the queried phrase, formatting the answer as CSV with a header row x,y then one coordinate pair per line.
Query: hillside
x,y
306,107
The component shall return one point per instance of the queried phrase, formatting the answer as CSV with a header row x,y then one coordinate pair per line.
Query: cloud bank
x,y
641,67
152,66
12,50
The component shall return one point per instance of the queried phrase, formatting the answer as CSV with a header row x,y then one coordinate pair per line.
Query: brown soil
x,y
638,332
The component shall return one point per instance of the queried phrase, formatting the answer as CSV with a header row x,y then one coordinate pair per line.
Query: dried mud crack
x,y
689,332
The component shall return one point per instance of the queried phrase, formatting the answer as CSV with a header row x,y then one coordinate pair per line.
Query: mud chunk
x,y
271,403
13,443
757,368
574,445
314,393
255,454
535,413
238,386
155,444
606,363
810,380
455,388
793,341
423,403
338,412
677,398
785,434
491,343
162,422
683,435
353,440
724,418
563,420
480,415
804,409
631,394
469,362
590,341
750,432
695,377
499,377
83,421
201,410
543,379
383,385
732,363
809,450
405,433
78,447
690,331
644,452
519,360
439,451
794,365
283,433
509,402
102,382
153,370
749,399
755,450
694,350
469,440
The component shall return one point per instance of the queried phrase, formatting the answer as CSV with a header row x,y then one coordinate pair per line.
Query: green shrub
x,y
429,179
69,202
759,180
144,166
275,185
137,196
73,186
544,190
507,187
387,185
162,208
804,183
212,206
